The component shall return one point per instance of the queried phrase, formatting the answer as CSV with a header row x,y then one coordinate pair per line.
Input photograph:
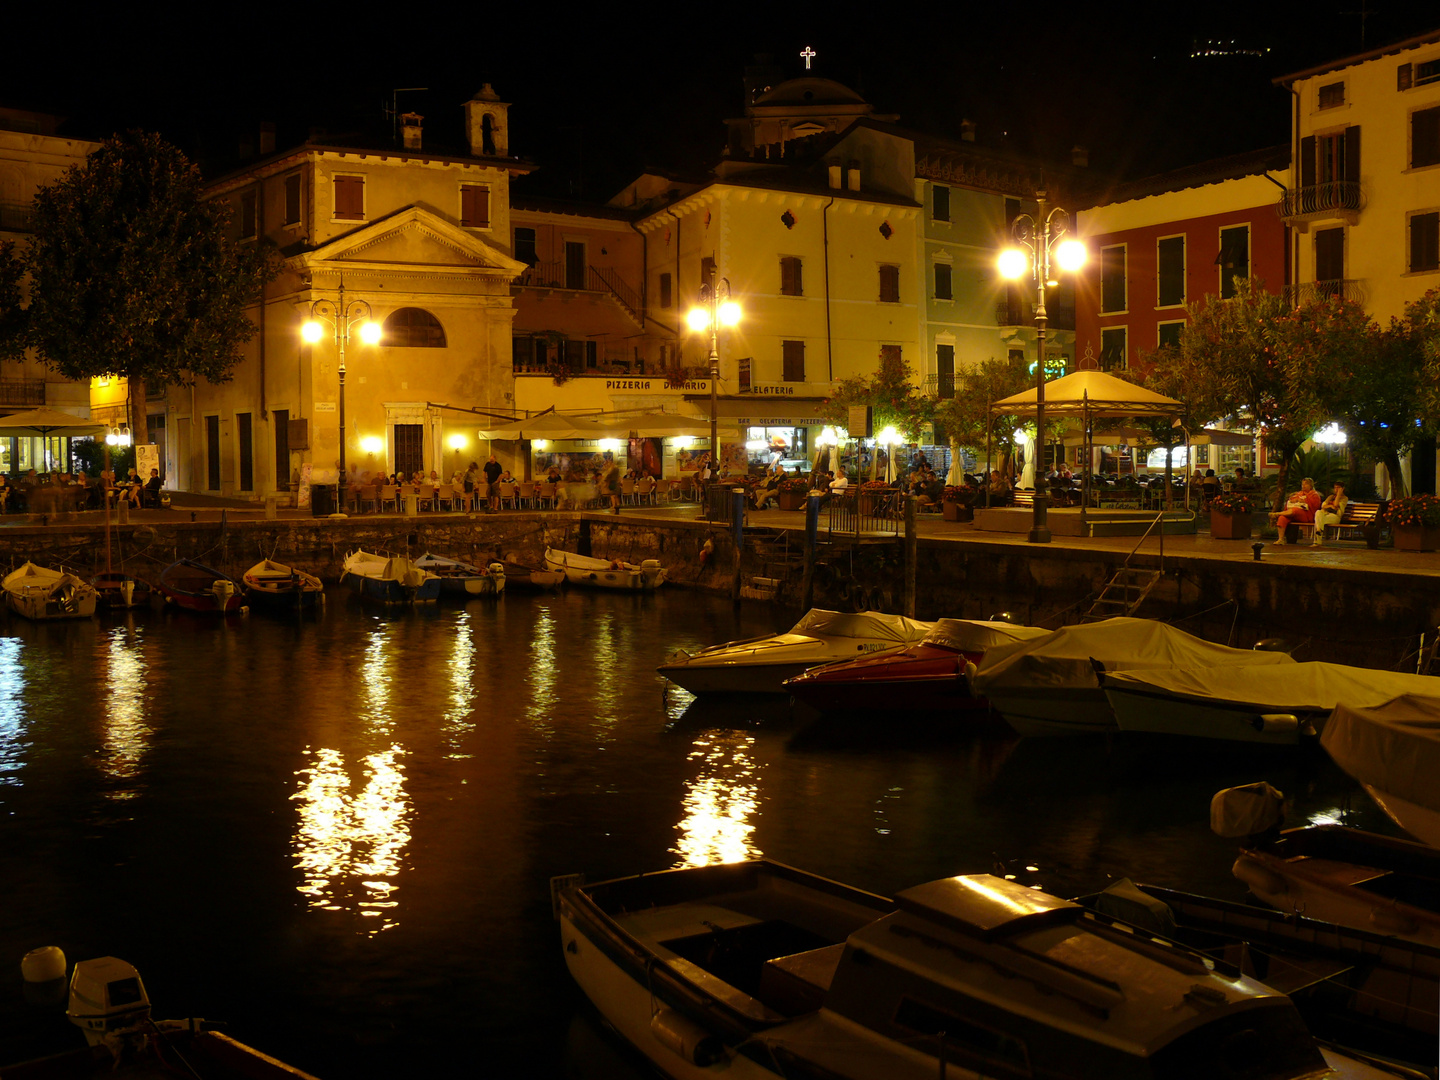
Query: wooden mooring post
x,y
812,527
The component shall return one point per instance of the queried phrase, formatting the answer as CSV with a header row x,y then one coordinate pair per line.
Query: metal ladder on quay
x,y
1128,587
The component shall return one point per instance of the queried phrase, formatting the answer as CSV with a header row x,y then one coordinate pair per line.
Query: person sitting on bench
x,y
1300,507
1331,511
151,495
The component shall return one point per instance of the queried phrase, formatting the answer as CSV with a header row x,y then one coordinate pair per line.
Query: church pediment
x,y
414,239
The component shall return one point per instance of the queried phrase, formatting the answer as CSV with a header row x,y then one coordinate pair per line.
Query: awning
x,y
759,411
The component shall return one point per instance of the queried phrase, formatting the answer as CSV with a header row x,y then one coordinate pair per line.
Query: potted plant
x,y
792,492
872,495
957,503
1232,516
1415,522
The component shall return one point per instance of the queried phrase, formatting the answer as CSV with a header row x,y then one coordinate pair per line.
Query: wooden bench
x,y
1352,526
1023,498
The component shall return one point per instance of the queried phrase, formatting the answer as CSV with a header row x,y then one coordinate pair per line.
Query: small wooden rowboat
x,y
606,573
39,593
277,587
118,590
390,579
518,576
461,579
195,587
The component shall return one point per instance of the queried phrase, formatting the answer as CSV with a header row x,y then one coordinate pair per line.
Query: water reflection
x,y
348,846
720,801
12,711
126,735
456,722
540,711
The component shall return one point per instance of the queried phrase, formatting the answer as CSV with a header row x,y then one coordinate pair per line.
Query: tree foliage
x,y
12,317
132,272
890,392
966,417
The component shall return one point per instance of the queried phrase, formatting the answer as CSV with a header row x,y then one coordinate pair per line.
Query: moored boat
x,y
277,587
760,970
461,579
761,665
389,579
519,576
42,594
1050,686
928,676
1393,750
195,587
606,573
1250,703
118,590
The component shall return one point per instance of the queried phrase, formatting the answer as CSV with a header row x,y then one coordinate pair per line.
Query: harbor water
x,y
335,833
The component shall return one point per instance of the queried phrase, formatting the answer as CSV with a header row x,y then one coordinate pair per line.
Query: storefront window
x,y
763,444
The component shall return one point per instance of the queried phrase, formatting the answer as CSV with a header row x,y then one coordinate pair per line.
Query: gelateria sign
x,y
621,385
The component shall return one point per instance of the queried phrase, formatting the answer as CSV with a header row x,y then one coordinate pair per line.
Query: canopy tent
x,y
660,425
1089,394
45,422
1216,437
546,425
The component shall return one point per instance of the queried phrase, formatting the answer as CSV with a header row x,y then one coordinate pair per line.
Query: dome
x,y
807,91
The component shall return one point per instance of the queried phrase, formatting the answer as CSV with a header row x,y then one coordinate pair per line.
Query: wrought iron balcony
x,y
1058,316
562,275
17,217
22,392
1310,291
1332,199
940,386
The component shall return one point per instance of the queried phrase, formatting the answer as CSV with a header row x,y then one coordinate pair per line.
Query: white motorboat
x,y
1252,703
390,579
761,665
606,573
760,970
1050,686
1393,750
39,593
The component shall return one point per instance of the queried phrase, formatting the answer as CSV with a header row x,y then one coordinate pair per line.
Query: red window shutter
x,y
349,196
1352,153
890,284
1402,77
474,206
1307,161
1425,137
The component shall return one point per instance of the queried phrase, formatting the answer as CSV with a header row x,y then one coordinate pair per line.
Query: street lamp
x,y
714,309
1040,241
339,314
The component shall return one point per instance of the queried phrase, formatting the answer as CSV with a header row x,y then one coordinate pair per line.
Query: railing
x,y
560,275
1310,291
17,217
22,392
1058,316
720,503
1316,200
624,295
858,512
941,386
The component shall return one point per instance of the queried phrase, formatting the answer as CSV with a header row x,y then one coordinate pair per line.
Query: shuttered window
x,y
943,289
1332,94
1234,258
1112,348
1425,241
1170,271
790,279
474,206
1329,254
1425,137
292,199
667,295
793,361
525,246
940,203
350,197
1112,278
889,284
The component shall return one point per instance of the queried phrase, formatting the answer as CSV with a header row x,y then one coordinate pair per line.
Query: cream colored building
x,y
418,238
32,155
1364,198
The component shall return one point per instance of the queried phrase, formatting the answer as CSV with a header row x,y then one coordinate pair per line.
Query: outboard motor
x,y
106,995
222,590
652,573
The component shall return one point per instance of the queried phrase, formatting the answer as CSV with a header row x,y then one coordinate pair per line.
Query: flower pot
x,y
954,511
1415,537
791,500
1230,526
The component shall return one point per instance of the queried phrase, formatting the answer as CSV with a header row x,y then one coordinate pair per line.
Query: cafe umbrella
x,y
46,422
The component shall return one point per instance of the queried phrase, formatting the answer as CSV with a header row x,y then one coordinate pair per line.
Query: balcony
x,y
561,275
1338,200
940,386
1310,291
17,217
1058,316
21,393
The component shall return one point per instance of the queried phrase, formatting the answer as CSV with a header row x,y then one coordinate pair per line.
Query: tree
x,y
132,272
12,316
1391,396
890,393
967,418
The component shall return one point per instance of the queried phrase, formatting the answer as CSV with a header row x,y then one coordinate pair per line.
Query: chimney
x,y
486,124
835,177
410,125
267,138
853,176
1080,157
967,130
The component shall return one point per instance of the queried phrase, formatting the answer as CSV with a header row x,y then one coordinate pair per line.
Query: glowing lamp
x,y
729,313
540,444
698,319
610,444
372,444
370,333
311,332
1014,264
682,442
1070,255
457,442
1021,437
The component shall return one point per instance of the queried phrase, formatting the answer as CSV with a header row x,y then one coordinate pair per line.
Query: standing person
x,y
610,483
1330,512
1301,506
492,476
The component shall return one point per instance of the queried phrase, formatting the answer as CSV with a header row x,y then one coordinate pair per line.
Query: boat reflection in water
x,y
720,802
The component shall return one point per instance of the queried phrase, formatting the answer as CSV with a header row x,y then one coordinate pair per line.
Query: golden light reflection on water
x,y
348,844
457,721
12,711
127,734
720,801
541,673
375,681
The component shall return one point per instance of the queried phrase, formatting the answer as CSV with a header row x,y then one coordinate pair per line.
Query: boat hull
x,y
1166,714
46,607
924,678
111,591
387,591
734,678
1042,711
1421,822
526,577
594,573
277,587
192,587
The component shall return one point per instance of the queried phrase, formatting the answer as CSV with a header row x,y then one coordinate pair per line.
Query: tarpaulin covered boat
x,y
1393,749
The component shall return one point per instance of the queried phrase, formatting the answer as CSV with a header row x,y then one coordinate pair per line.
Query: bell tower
x,y
486,123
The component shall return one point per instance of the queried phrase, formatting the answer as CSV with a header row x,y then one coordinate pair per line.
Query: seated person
x,y
553,476
1000,490
767,489
132,488
1299,507
833,485
151,496
506,478
5,492
1331,511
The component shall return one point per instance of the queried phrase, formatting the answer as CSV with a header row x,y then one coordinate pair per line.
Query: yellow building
x,y
414,238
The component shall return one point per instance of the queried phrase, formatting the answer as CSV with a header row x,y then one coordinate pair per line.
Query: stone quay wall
x,y
1370,618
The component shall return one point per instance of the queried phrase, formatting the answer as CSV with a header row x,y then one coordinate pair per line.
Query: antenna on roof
x,y
392,111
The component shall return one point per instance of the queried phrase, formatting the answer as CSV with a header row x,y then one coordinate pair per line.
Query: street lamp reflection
x,y
12,711
457,723
126,735
720,802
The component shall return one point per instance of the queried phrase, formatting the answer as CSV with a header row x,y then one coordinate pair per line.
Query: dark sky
x,y
595,98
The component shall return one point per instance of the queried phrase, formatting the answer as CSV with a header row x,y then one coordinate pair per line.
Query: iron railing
x,y
17,217
940,385
22,392
858,512
1310,291
1058,316
561,275
1317,200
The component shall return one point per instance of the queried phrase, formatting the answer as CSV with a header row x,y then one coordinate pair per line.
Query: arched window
x,y
414,328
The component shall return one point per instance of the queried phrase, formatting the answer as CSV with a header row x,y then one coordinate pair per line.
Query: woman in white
x,y
1330,512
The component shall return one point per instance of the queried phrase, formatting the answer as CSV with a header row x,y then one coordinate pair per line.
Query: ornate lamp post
x,y
714,308
339,314
1040,240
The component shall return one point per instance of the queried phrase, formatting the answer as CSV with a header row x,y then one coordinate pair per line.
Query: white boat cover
x,y
978,635
1309,687
1061,659
871,625
1392,746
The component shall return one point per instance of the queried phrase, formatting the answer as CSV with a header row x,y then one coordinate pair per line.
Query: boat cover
x,y
1309,687
1062,659
1393,746
871,625
977,635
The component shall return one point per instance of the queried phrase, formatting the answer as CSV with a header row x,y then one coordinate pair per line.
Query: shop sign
x,y
772,389
656,386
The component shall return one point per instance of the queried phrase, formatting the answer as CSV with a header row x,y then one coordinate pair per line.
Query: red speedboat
x,y
927,676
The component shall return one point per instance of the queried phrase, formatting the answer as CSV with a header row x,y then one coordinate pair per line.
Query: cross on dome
x,y
808,55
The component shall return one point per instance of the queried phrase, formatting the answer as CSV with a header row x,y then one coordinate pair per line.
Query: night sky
x,y
597,98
